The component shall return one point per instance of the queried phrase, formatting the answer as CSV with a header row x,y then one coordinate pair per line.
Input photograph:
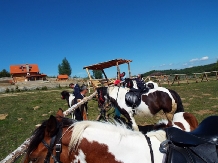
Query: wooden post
x,y
105,75
118,71
129,70
87,70
216,75
186,78
196,78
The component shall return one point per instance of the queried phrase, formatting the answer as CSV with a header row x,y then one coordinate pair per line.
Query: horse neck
x,y
106,137
115,91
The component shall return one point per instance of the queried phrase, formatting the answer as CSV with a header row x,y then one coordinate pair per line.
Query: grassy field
x,y
27,109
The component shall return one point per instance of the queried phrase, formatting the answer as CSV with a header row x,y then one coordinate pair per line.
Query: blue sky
x,y
155,34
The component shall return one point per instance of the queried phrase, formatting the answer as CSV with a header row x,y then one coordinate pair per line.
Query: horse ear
x,y
59,114
51,126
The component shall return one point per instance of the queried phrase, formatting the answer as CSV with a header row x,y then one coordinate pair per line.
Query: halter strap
x,y
58,146
150,146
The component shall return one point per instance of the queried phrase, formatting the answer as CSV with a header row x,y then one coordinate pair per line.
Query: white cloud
x,y
194,60
204,58
170,64
185,64
162,65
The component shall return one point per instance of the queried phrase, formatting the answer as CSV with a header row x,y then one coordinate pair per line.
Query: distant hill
x,y
188,71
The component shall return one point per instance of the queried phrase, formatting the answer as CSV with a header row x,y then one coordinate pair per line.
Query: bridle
x,y
55,142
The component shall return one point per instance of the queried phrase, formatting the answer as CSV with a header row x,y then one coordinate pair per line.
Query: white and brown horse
x,y
182,120
61,139
144,104
69,97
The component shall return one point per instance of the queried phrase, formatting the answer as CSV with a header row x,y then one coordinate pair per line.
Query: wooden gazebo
x,y
103,65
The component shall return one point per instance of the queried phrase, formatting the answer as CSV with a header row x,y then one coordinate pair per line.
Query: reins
x,y
150,146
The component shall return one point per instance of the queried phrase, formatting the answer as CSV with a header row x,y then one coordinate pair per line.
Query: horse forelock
x,y
79,128
159,134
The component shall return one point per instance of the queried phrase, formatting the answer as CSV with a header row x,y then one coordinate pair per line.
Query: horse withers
x,y
145,103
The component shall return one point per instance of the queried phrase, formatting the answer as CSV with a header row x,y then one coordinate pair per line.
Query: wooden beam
x,y
105,75
129,70
118,71
87,70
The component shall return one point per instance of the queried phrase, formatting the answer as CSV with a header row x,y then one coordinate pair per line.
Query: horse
x,y
141,103
60,139
69,97
183,120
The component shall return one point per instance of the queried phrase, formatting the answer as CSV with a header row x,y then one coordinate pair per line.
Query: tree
x,y
64,67
97,74
215,68
4,73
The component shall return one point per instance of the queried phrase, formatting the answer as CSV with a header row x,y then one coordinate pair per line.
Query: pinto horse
x,y
61,139
69,97
182,120
145,104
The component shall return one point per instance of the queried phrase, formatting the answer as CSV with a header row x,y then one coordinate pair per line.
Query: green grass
x,y
198,98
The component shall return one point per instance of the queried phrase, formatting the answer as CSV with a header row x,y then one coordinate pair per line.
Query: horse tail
x,y
178,100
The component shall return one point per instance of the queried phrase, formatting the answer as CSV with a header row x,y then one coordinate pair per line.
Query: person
x,y
117,82
140,82
76,88
122,78
80,113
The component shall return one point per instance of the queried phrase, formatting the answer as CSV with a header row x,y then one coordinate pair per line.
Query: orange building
x,y
62,77
26,72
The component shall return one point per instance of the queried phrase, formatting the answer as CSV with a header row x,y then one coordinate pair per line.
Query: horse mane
x,y
38,134
79,127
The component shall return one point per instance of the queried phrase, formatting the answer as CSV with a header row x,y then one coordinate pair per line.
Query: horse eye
x,y
33,159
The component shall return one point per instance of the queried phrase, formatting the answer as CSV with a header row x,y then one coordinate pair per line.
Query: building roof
x,y
22,68
103,65
63,76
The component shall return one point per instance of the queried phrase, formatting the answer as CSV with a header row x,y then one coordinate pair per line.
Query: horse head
x,y
47,142
103,98
151,85
65,95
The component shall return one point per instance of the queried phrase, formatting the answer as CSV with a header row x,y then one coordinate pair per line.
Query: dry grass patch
x,y
185,104
215,106
202,112
212,98
206,94
3,116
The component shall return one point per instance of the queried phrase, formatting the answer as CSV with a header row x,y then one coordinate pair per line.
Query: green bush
x,y
7,90
17,89
44,88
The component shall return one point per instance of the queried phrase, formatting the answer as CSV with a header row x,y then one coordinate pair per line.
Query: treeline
x,y
4,73
188,71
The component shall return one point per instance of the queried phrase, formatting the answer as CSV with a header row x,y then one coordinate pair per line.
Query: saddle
x,y
198,146
133,98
